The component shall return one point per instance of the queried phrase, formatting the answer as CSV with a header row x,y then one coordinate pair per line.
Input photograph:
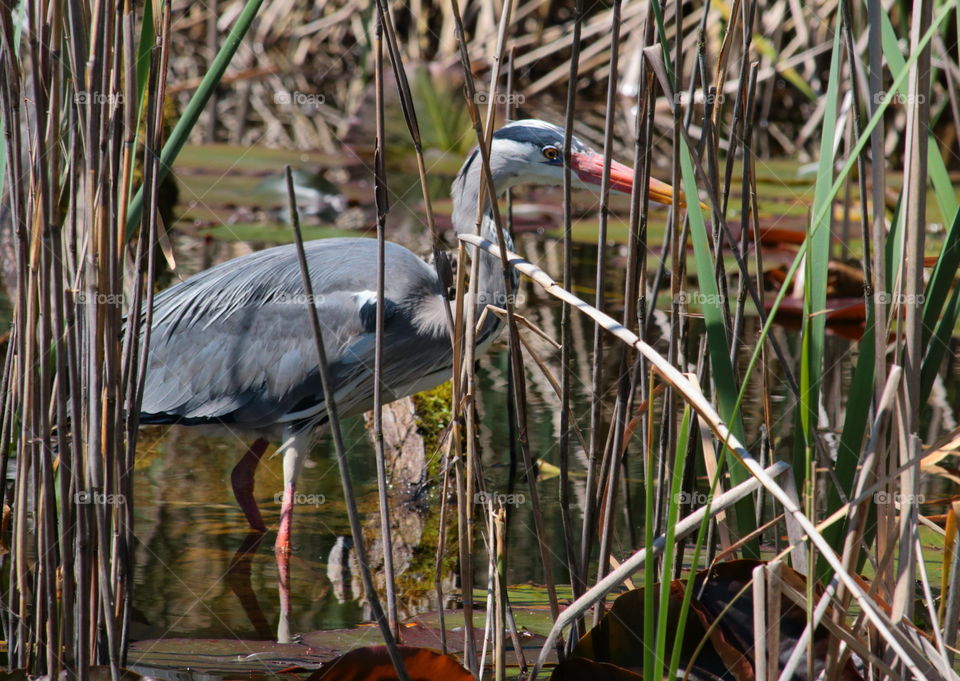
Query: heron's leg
x,y
293,459
242,480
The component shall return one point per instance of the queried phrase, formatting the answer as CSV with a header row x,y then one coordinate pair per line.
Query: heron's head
x,y
530,151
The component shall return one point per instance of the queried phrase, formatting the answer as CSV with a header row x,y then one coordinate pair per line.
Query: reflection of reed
x,y
343,571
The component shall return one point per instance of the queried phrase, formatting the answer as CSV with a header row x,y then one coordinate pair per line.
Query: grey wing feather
x,y
233,344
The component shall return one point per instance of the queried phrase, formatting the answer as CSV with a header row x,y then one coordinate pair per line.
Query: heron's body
x,y
251,362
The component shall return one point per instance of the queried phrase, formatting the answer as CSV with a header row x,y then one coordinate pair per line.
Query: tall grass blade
x,y
855,425
815,283
939,344
669,552
724,377
144,48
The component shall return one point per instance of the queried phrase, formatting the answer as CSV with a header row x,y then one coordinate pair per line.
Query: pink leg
x,y
282,547
292,463
283,550
242,480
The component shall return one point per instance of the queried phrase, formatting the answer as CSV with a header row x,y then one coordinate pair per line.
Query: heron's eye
x,y
551,153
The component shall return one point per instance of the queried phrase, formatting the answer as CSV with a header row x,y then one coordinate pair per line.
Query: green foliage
x,y
433,415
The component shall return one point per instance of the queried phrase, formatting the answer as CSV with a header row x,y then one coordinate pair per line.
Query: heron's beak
x,y
589,167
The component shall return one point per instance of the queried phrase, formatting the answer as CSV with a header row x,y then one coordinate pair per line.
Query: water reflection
x,y
190,530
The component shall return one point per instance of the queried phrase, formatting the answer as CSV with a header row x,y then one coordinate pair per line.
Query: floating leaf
x,y
373,664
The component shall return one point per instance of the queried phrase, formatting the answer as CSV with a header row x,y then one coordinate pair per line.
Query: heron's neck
x,y
491,289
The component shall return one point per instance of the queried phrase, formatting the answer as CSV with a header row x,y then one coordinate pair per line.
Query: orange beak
x,y
589,167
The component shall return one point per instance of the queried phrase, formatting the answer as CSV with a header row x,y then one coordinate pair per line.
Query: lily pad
x,y
374,664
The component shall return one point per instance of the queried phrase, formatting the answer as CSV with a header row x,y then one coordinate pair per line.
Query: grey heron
x,y
232,345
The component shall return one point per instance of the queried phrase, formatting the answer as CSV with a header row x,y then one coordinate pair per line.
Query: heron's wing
x,y
412,361
234,344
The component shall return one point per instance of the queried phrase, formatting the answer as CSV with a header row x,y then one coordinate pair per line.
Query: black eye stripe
x,y
537,132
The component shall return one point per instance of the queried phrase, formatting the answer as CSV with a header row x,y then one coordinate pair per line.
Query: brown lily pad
x,y
373,664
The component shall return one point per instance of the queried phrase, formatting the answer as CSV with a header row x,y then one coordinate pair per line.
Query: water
x,y
189,529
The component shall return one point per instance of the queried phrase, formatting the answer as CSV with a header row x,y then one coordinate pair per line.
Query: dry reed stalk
x,y
466,305
383,207
499,552
914,226
75,443
608,480
441,262
577,577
